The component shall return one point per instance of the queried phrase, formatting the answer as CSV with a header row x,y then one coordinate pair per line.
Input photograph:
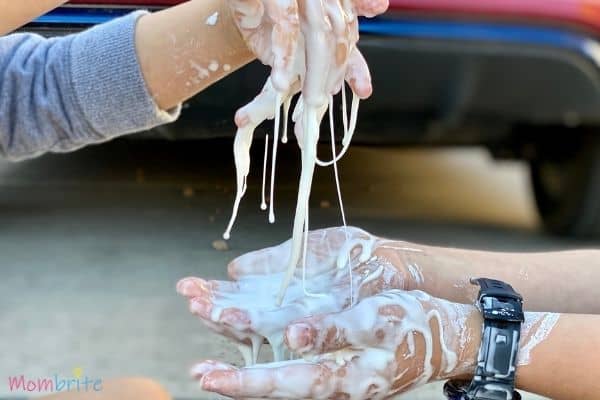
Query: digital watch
x,y
502,310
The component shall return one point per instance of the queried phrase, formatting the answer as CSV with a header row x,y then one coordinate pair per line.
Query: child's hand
x,y
388,343
277,32
245,309
271,30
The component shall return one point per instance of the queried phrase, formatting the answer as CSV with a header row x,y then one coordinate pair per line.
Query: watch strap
x,y
502,310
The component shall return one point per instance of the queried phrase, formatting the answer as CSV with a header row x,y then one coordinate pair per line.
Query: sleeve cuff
x,y
108,82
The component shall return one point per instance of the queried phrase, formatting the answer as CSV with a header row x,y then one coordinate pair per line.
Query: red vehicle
x,y
520,77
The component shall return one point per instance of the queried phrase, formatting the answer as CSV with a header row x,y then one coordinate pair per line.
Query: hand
x,y
389,343
274,32
245,309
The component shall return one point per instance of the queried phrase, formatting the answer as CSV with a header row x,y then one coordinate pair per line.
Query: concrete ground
x,y
92,243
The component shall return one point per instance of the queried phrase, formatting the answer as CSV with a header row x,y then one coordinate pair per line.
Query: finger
x,y
191,287
262,107
358,75
235,319
341,37
325,333
231,318
261,262
284,42
247,13
201,307
229,322
318,45
287,380
371,8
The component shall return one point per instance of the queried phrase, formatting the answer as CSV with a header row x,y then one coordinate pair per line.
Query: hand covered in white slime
x,y
387,344
383,342
311,47
385,339
246,309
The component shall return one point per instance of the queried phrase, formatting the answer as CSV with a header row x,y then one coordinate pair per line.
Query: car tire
x,y
567,189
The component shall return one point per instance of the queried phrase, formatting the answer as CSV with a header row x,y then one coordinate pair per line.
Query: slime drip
x,y
326,56
263,203
348,133
286,112
274,158
247,119
339,191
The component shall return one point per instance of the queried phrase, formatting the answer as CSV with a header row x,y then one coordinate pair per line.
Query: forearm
x,y
18,13
121,77
181,54
557,282
63,93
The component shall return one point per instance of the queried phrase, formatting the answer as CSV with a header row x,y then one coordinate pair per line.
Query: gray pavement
x,y
92,243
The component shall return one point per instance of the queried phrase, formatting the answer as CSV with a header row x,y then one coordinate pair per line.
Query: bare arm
x,y
181,54
557,282
177,49
565,365
17,13
124,76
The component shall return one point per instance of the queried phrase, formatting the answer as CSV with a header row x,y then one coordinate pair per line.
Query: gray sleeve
x,y
60,94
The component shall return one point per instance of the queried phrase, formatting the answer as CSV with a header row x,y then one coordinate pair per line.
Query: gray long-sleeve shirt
x,y
63,93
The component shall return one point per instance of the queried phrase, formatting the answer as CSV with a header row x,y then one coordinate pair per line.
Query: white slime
x,y
320,76
213,19
543,325
263,202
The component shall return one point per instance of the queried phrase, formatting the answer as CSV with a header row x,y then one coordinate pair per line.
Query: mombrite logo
x,y
78,383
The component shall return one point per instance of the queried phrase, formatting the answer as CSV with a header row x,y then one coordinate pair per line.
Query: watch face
x,y
457,390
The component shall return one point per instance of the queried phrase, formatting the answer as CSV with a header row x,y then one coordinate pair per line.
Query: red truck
x,y
519,77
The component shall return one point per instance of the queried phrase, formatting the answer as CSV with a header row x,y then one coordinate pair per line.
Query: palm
x,y
246,309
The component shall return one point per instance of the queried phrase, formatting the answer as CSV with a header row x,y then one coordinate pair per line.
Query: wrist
x,y
434,270
468,347
402,257
458,335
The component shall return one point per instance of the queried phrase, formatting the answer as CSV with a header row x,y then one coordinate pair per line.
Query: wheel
x,y
566,184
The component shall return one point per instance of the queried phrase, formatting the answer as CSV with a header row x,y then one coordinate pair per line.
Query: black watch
x,y
494,379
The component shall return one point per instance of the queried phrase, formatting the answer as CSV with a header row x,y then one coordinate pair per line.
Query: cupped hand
x,y
388,343
340,270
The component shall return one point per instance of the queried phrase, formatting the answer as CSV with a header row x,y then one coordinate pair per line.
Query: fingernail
x,y
299,337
